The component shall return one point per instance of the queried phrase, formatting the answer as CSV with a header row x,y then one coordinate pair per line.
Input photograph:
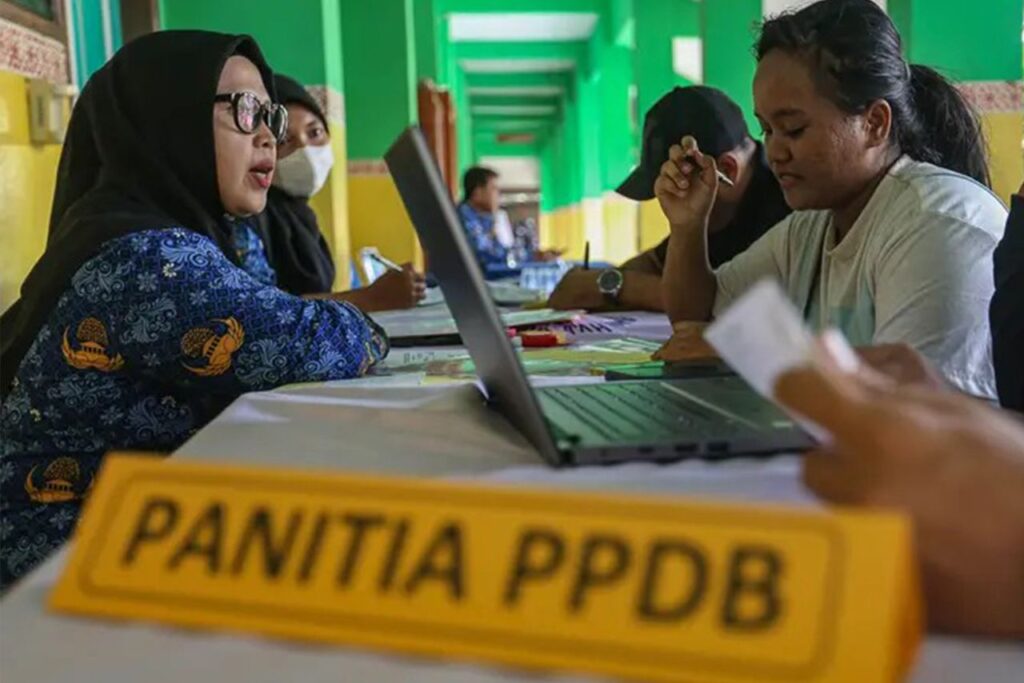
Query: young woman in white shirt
x,y
884,164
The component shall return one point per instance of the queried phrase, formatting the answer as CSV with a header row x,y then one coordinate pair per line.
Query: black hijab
x,y
296,249
139,155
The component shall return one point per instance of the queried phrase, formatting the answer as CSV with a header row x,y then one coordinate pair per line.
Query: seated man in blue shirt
x,y
477,212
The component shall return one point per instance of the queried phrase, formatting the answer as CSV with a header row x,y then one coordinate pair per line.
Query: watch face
x,y
610,281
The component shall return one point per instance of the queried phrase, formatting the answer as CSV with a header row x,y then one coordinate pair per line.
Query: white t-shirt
x,y
916,267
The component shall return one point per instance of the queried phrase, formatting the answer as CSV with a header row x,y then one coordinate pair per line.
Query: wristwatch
x,y
609,283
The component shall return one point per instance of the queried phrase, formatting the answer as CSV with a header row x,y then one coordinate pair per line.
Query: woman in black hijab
x,y
295,248
145,315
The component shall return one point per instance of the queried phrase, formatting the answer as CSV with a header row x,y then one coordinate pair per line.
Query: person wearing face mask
x,y
294,247
146,315
883,162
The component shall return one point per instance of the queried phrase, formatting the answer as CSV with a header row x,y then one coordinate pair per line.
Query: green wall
x,y
427,39
968,41
657,23
379,50
619,135
279,33
730,28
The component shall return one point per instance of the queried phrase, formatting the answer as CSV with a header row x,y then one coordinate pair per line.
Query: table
x,y
392,426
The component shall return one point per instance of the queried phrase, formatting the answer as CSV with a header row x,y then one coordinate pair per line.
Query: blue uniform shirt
x,y
152,338
490,253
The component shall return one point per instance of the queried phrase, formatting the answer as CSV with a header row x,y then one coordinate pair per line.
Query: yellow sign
x,y
646,587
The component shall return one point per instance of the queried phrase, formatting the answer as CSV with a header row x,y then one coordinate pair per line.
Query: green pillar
x,y
657,23
619,152
380,96
304,43
300,42
467,154
427,38
978,45
619,146
729,29
380,73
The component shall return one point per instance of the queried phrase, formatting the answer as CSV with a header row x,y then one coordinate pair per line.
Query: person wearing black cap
x,y
741,214
894,226
294,246
145,315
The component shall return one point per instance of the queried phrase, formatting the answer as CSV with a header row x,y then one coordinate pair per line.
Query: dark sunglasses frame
x,y
267,111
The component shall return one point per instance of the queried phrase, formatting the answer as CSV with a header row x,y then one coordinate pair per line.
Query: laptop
x,y
646,420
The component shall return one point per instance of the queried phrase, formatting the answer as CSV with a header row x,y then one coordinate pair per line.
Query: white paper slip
x,y
418,355
433,297
761,336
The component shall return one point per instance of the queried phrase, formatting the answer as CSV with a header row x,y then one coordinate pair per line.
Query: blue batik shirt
x,y
490,253
152,338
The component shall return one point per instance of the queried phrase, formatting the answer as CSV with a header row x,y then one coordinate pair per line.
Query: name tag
x,y
644,587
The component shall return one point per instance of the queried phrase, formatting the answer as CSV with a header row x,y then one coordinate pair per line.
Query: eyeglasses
x,y
249,112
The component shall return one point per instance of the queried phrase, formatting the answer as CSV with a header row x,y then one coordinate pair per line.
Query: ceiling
x,y
520,26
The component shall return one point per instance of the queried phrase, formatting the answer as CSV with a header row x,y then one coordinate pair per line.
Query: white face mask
x,y
303,172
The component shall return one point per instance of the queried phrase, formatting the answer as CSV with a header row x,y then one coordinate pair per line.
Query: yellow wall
x,y
27,176
545,228
331,208
592,224
1004,132
621,224
653,225
609,223
566,232
377,218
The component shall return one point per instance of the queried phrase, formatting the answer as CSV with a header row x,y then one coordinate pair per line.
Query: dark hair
x,y
477,176
856,57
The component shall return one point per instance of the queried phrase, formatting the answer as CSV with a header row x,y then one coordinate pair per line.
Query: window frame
x,y
55,29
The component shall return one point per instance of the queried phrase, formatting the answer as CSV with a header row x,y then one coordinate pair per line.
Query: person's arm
x,y
206,325
394,290
932,288
1006,314
954,465
578,289
686,190
692,290
651,262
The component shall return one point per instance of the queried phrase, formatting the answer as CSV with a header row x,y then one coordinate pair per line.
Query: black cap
x,y
705,113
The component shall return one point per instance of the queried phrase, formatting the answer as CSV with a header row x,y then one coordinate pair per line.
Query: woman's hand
x,y
396,289
687,185
687,343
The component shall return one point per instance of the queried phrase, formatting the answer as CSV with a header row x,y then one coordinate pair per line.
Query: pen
x,y
689,141
586,256
390,265
721,176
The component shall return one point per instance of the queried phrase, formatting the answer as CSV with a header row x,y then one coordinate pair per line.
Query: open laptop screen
x,y
430,207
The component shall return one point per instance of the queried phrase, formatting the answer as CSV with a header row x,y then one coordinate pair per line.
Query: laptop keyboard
x,y
627,411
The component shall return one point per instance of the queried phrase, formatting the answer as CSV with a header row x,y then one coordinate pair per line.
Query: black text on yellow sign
x,y
645,588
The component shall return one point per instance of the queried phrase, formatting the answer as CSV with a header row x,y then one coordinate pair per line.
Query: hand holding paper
x,y
761,337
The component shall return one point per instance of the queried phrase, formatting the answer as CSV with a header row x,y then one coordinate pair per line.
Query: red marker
x,y
533,339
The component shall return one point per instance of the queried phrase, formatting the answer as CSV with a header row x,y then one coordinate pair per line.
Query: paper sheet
x,y
437,320
626,351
